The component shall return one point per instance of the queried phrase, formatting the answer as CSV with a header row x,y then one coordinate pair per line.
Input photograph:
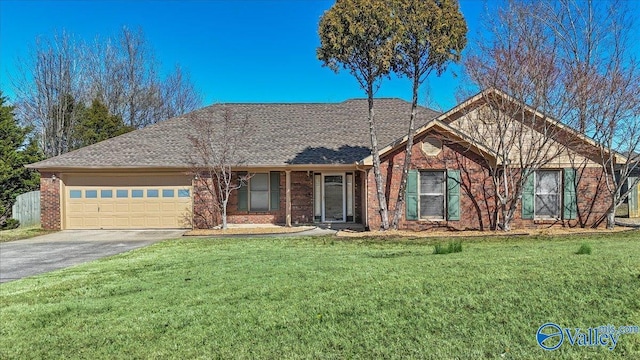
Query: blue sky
x,y
235,51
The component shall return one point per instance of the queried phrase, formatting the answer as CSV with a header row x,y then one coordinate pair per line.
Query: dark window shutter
x,y
275,190
528,198
453,194
243,194
570,200
412,195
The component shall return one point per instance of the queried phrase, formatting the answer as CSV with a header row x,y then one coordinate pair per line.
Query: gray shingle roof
x,y
281,134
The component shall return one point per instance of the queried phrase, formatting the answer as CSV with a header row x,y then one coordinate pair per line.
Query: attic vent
x,y
431,146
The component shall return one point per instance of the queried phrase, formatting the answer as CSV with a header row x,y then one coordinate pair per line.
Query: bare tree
x,y
216,145
49,84
519,60
126,80
602,82
61,74
178,94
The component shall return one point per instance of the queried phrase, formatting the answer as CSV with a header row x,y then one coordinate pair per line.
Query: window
x,y
152,193
259,192
432,190
91,194
183,193
136,193
547,194
122,193
106,194
75,194
167,193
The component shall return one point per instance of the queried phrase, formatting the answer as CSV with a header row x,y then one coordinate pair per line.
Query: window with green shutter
x,y
260,193
542,195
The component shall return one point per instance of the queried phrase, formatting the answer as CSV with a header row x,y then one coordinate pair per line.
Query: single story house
x,y
311,163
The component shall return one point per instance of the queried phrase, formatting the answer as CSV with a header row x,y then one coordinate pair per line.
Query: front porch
x,y
321,197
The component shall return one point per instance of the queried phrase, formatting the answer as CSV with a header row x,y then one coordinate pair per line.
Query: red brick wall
x,y
301,204
477,200
50,201
592,196
301,197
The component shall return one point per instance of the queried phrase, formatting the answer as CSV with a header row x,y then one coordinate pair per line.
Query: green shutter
x,y
528,198
243,194
412,195
275,190
570,202
453,194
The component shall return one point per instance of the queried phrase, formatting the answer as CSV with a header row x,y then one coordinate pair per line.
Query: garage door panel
x,y
122,222
107,222
90,207
76,207
115,207
107,208
168,207
137,207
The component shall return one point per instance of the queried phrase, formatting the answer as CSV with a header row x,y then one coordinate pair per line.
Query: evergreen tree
x,y
17,149
96,124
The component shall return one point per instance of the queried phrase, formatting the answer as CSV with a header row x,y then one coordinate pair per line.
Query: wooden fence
x,y
27,209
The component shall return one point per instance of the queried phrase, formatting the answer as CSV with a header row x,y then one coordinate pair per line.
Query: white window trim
x,y
444,196
559,194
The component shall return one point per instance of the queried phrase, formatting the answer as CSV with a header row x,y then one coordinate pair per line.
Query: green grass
x,y
22,233
585,249
452,247
328,298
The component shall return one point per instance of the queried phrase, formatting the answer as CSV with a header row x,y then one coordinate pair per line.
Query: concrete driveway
x,y
59,250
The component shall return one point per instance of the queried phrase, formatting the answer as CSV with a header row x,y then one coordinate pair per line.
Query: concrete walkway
x,y
22,258
629,222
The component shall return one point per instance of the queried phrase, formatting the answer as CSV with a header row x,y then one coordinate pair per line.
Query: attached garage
x,y
93,201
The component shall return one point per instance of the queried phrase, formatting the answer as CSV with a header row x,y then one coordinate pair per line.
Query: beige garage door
x,y
151,202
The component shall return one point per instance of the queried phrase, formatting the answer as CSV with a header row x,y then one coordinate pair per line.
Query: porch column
x,y
288,196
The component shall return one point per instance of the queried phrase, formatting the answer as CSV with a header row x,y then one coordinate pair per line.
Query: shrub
x,y
585,249
452,247
10,224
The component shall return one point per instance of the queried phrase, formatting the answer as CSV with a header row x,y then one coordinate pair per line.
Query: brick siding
x,y
477,198
50,201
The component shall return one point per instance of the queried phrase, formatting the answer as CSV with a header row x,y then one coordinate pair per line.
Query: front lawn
x,y
22,233
328,298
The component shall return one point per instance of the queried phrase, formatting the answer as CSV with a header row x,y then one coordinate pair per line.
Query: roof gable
x,y
570,137
452,133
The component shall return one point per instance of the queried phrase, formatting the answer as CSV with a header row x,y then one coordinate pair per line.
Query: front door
x,y
334,201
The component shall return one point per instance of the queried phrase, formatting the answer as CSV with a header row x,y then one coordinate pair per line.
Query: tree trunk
x,y
611,214
382,200
407,157
224,215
